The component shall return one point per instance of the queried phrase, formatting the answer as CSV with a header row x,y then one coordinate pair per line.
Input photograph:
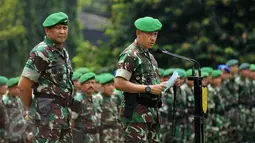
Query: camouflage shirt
x,y
50,68
245,92
138,66
232,86
3,120
15,115
109,108
109,119
87,119
189,101
215,93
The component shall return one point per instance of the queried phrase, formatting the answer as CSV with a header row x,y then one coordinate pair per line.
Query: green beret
x,y
97,78
189,72
232,62
207,69
86,77
204,74
168,72
148,24
252,67
76,76
82,70
13,81
161,72
181,72
106,78
244,66
56,18
216,73
3,80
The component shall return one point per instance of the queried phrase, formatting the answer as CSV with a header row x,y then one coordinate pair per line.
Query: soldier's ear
x,y
46,30
137,33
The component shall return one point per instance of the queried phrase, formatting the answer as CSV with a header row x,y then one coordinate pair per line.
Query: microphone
x,y
198,124
198,66
180,57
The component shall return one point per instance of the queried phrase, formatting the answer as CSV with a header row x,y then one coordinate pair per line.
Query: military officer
x,y
86,124
15,110
110,126
47,76
3,117
137,76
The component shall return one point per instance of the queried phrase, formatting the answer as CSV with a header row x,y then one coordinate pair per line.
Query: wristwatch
x,y
147,89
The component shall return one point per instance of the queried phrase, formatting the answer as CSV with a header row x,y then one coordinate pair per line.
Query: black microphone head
x,y
159,50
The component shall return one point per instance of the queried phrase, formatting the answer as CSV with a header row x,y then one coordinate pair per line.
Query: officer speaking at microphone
x,y
137,75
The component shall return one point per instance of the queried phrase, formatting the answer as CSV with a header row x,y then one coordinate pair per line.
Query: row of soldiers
x,y
97,122
99,118
230,116
13,128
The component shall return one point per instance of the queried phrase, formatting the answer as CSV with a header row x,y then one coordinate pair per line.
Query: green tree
x,y
12,37
21,29
211,31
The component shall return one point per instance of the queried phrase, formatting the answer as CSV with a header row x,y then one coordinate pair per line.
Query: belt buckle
x,y
154,98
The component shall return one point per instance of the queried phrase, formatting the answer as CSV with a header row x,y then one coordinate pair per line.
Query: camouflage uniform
x,y
179,117
97,98
245,102
50,68
16,123
231,107
110,126
87,122
138,66
3,120
166,114
189,112
218,124
119,98
251,115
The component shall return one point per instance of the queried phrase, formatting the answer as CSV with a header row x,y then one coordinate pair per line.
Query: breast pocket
x,y
59,74
148,73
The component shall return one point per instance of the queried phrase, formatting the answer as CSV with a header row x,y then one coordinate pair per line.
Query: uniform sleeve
x,y
78,97
37,62
126,65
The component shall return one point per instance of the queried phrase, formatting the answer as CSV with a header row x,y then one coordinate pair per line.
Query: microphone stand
x,y
173,115
198,118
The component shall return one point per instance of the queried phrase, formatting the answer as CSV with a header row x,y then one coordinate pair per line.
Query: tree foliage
x,y
21,29
12,33
211,31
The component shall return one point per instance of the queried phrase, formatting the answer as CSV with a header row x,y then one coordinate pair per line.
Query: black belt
x,y
65,102
92,131
150,103
109,126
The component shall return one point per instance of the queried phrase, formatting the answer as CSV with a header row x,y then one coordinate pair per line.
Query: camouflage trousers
x,y
165,131
141,132
3,140
80,137
47,135
110,135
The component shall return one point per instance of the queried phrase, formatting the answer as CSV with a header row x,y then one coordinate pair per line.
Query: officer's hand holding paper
x,y
171,81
